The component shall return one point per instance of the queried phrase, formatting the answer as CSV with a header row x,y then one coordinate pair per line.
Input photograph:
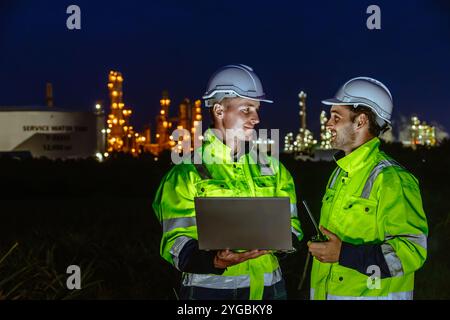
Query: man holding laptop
x,y
227,170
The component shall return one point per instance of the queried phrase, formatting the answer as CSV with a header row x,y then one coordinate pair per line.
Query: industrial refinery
x,y
48,131
304,145
122,137
421,134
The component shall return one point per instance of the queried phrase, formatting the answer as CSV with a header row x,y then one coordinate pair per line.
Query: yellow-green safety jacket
x,y
374,206
220,175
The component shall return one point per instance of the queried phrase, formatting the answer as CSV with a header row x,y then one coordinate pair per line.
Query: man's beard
x,y
345,137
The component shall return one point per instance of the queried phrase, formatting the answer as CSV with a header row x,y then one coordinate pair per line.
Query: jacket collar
x,y
359,158
216,151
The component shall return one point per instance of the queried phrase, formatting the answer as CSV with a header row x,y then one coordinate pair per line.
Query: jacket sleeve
x,y
403,226
174,208
404,223
287,189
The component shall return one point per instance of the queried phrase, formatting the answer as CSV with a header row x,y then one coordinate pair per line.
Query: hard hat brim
x,y
236,94
261,100
337,102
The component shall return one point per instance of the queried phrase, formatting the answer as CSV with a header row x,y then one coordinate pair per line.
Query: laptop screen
x,y
243,223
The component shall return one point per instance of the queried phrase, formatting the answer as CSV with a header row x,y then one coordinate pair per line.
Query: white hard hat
x,y
234,81
364,91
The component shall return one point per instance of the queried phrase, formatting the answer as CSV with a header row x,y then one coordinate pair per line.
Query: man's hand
x,y
226,258
328,251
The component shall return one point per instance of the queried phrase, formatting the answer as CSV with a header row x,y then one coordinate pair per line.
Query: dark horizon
x,y
176,46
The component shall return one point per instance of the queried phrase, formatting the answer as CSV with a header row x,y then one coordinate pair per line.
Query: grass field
x,y
98,216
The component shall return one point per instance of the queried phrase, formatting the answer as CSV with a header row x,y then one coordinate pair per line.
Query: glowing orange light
x,y
164,102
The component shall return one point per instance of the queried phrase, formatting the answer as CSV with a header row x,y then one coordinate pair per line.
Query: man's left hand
x,y
329,251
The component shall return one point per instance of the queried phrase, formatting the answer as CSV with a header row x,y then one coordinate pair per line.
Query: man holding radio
x,y
372,210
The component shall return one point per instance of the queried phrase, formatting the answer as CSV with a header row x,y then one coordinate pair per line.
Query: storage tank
x,y
52,132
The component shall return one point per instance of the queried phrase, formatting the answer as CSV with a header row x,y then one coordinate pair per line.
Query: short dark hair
x,y
374,127
211,113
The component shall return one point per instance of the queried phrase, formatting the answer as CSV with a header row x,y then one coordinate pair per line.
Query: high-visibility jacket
x,y
220,175
374,206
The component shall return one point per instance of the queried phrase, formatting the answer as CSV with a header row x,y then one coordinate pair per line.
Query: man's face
x,y
240,116
342,128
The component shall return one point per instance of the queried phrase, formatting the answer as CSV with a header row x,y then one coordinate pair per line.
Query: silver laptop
x,y
243,223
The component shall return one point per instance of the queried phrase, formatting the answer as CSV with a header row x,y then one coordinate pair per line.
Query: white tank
x,y
51,132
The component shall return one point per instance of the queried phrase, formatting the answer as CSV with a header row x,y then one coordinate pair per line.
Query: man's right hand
x,y
227,258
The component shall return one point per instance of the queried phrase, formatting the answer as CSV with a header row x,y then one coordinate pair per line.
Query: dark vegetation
x,y
99,216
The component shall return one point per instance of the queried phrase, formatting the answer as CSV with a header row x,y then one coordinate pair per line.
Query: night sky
x,y
176,45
